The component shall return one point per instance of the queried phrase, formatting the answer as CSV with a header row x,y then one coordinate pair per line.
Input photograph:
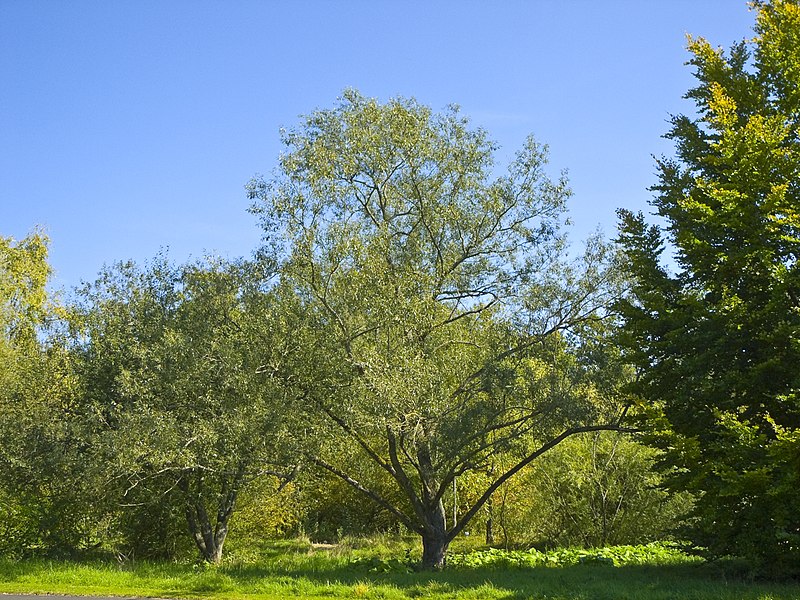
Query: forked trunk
x,y
208,538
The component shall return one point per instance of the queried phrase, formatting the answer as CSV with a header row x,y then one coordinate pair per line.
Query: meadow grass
x,y
358,570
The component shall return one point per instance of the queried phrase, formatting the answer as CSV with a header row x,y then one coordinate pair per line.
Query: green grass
x,y
357,570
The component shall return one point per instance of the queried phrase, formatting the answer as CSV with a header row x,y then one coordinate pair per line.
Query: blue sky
x,y
130,126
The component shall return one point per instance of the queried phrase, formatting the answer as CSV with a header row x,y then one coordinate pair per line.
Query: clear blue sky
x,y
127,126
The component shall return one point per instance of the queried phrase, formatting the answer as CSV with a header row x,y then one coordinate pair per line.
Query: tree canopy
x,y
418,329
24,272
178,388
444,319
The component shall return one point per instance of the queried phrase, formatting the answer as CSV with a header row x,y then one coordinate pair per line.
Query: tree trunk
x,y
490,522
435,539
434,551
208,539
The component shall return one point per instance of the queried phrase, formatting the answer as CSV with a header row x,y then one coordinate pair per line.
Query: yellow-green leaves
x,y
778,52
23,276
722,108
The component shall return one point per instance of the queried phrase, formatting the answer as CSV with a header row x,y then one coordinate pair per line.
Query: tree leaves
x,y
716,342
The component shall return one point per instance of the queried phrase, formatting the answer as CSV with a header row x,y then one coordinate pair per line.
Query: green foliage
x,y
332,509
266,510
594,490
441,317
44,504
178,392
24,271
717,341
657,553
292,570
148,525
23,309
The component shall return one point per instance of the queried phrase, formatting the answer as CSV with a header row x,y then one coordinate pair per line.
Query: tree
x,y
596,490
179,387
24,272
441,315
43,505
717,340
23,276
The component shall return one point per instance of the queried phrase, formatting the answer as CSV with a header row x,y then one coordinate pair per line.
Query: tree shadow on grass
x,y
304,574
584,582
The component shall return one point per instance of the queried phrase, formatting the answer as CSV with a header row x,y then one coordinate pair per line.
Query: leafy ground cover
x,y
299,570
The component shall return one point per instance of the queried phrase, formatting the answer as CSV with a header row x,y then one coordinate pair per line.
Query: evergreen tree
x,y
717,337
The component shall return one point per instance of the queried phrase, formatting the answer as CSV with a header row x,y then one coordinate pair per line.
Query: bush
x,y
592,491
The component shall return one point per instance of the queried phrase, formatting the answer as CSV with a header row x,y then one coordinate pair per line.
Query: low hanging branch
x,y
404,518
467,517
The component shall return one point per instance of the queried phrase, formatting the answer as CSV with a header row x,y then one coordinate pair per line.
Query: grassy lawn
x,y
292,570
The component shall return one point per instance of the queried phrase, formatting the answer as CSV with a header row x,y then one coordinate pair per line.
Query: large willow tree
x,y
443,322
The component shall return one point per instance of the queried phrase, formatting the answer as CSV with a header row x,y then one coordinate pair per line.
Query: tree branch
x,y
404,518
467,517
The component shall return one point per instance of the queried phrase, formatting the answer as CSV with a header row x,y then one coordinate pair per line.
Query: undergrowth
x,y
657,553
